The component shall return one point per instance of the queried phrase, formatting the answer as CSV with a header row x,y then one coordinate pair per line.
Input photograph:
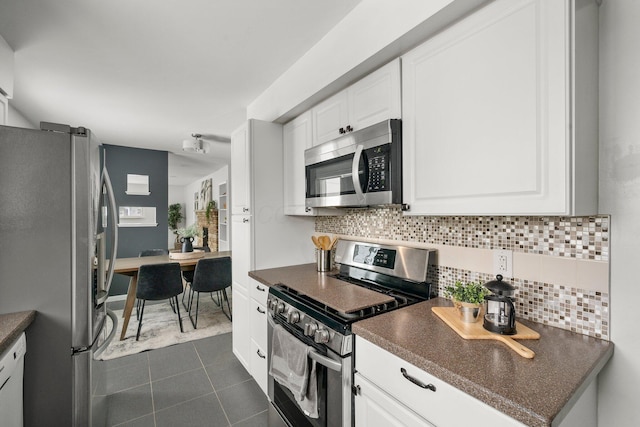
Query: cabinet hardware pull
x,y
259,288
416,381
245,220
245,209
262,356
260,311
349,128
355,389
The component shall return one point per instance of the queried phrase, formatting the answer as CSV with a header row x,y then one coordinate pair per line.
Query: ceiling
x,y
149,73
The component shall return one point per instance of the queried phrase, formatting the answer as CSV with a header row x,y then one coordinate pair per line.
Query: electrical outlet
x,y
503,263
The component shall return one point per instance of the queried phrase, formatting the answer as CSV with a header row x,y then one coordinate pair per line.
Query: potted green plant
x,y
187,235
210,207
468,299
174,218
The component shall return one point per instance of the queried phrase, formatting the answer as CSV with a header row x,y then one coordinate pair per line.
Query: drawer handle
x,y
260,289
260,355
261,311
416,381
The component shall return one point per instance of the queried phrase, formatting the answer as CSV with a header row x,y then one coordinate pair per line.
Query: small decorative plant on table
x,y
187,235
468,299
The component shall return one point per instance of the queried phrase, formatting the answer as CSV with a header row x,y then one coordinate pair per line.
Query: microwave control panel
x,y
378,164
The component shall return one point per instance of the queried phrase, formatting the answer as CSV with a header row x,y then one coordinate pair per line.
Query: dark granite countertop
x,y
12,325
322,287
537,392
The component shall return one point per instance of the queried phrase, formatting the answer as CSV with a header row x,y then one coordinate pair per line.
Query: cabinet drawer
x,y
375,408
259,364
259,291
258,315
385,370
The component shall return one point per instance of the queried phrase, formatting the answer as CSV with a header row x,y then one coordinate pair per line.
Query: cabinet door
x,y
296,139
258,326
328,117
485,114
259,366
376,97
240,171
375,408
241,338
242,249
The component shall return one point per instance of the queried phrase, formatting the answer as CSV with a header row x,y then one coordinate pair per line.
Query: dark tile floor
x,y
199,383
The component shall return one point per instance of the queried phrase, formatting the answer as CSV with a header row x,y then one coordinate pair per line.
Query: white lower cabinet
x,y
259,365
375,408
259,361
389,392
241,323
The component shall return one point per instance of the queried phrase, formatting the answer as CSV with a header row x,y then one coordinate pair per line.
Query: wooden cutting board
x,y
475,331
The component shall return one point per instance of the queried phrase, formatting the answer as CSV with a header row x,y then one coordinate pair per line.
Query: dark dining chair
x,y
159,282
187,275
145,253
212,275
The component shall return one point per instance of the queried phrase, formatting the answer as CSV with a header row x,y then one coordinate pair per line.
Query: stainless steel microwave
x,y
363,168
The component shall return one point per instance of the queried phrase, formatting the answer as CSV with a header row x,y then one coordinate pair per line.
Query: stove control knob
x,y
293,316
321,336
280,308
310,329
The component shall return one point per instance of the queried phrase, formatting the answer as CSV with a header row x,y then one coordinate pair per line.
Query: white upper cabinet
x,y
329,117
240,171
296,139
371,100
492,123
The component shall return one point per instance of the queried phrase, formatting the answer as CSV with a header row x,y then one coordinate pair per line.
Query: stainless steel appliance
x,y
55,195
382,278
500,313
362,168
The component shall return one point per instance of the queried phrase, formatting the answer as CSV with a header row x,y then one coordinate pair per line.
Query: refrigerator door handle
x,y
109,338
106,181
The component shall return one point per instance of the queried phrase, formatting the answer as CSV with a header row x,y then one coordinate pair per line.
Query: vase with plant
x,y
175,216
187,235
210,207
468,299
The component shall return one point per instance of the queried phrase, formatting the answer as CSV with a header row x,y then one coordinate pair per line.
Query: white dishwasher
x,y
11,374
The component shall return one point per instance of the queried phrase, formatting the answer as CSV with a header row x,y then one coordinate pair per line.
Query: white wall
x,y
221,175
17,119
373,33
620,197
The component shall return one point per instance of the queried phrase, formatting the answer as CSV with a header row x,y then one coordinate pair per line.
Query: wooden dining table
x,y
130,266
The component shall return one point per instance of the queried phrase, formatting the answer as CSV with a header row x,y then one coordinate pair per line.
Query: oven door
x,y
334,389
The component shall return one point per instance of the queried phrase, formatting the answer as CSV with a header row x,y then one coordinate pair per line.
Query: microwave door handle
x,y
355,176
106,181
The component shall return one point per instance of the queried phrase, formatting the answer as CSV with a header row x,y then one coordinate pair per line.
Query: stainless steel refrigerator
x,y
56,223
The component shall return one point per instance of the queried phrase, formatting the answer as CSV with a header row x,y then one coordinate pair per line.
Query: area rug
x,y
160,328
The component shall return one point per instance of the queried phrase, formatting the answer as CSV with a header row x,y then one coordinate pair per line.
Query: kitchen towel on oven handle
x,y
290,365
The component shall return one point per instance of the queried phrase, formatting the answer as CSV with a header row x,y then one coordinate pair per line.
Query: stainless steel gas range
x,y
310,340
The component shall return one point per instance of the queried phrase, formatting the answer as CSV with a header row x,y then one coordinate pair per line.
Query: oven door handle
x,y
325,361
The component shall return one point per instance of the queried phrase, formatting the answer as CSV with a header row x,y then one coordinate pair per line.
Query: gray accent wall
x,y
121,161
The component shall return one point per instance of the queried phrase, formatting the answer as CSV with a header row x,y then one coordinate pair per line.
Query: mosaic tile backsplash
x,y
587,238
